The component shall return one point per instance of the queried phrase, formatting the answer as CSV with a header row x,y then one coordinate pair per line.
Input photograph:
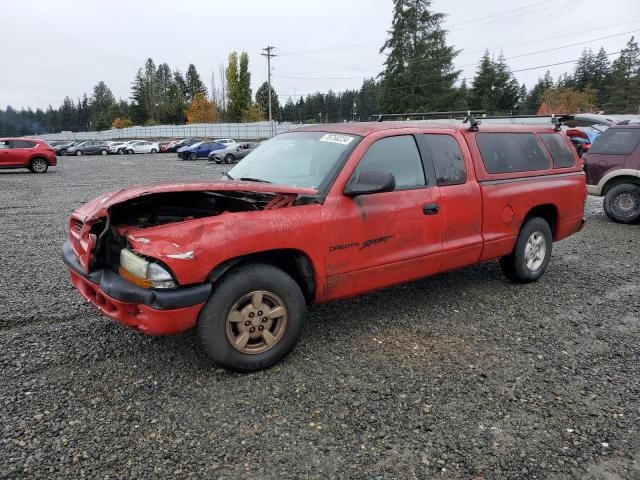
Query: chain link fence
x,y
237,131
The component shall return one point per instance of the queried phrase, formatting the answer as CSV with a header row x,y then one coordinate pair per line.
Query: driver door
x,y
380,239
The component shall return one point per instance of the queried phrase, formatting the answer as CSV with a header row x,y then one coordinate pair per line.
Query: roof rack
x,y
453,114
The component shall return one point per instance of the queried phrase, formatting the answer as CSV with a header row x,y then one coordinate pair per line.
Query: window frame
x,y
515,173
428,156
425,173
553,160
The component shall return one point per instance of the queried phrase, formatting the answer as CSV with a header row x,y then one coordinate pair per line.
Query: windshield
x,y
302,159
197,144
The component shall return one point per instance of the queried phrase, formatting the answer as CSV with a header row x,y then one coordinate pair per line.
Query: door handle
x,y
430,208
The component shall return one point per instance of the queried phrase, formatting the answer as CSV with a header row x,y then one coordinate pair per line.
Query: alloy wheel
x,y
256,322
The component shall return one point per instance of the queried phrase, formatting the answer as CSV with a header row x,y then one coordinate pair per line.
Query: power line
x,y
560,47
537,67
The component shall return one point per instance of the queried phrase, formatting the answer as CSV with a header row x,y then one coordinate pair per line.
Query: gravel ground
x,y
463,375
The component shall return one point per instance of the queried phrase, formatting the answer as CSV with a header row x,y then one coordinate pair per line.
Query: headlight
x,y
143,273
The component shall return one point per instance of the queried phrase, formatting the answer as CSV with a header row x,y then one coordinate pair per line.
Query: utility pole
x,y
269,55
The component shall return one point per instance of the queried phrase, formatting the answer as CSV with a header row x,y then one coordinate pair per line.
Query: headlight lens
x,y
143,273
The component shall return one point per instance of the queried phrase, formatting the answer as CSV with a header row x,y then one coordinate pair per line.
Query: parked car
x,y
225,141
162,146
89,147
56,143
232,153
198,150
116,147
185,142
613,171
31,153
125,145
62,149
142,146
317,214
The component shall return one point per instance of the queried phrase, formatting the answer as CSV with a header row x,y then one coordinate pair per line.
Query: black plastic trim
x,y
119,289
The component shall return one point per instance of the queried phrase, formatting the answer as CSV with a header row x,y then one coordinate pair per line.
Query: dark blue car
x,y
199,150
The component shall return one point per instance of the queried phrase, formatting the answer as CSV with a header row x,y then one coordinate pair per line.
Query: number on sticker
x,y
335,138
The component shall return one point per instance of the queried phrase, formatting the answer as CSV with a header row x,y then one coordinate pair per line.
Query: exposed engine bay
x,y
164,208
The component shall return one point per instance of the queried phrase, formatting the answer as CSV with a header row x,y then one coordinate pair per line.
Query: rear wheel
x,y
531,255
622,203
38,165
253,319
103,152
153,150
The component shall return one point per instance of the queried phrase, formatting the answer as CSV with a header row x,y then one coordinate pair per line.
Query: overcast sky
x,y
50,49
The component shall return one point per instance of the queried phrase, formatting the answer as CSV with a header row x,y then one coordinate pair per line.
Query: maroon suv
x,y
31,153
613,171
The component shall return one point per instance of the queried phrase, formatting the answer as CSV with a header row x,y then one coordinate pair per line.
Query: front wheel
x,y
78,153
228,158
622,203
253,319
531,255
153,150
193,156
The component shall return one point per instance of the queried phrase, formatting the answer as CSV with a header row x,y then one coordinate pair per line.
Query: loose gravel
x,y
463,375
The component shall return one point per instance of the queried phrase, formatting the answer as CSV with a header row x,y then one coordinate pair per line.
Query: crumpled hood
x,y
99,206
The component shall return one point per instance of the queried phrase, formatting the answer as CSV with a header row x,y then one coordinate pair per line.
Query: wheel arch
x,y
546,211
617,179
296,263
37,155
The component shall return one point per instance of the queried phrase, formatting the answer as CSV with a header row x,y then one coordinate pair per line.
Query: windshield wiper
x,y
227,175
249,179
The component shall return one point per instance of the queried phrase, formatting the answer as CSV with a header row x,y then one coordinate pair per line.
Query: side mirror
x,y
370,181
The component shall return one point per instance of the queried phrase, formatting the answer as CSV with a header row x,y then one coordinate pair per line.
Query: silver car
x,y
232,153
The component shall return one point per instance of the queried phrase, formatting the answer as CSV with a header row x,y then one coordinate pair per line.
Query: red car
x,y
318,214
31,153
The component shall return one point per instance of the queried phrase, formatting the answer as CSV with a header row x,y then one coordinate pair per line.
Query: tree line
x,y
419,75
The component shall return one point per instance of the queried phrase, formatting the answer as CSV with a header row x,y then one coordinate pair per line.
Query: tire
x,y
153,150
271,288
104,152
193,156
622,203
228,158
531,255
130,152
78,153
38,165
63,153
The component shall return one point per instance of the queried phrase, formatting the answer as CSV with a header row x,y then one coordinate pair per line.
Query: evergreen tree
x,y
194,84
262,99
244,83
625,80
583,74
101,101
533,101
600,76
419,74
368,102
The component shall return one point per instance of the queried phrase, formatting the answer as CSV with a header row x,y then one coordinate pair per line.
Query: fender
x,y
623,172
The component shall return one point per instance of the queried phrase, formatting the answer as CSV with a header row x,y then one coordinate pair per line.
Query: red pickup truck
x,y
317,214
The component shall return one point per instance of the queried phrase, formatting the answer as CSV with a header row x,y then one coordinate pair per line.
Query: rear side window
x,y
561,155
511,152
447,158
617,141
398,155
22,144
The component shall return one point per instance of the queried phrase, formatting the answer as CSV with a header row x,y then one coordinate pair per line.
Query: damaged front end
x,y
119,262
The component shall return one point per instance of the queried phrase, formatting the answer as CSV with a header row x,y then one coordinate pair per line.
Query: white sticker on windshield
x,y
335,138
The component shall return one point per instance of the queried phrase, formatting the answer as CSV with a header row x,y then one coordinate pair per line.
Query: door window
x,y
447,158
4,145
22,144
398,155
